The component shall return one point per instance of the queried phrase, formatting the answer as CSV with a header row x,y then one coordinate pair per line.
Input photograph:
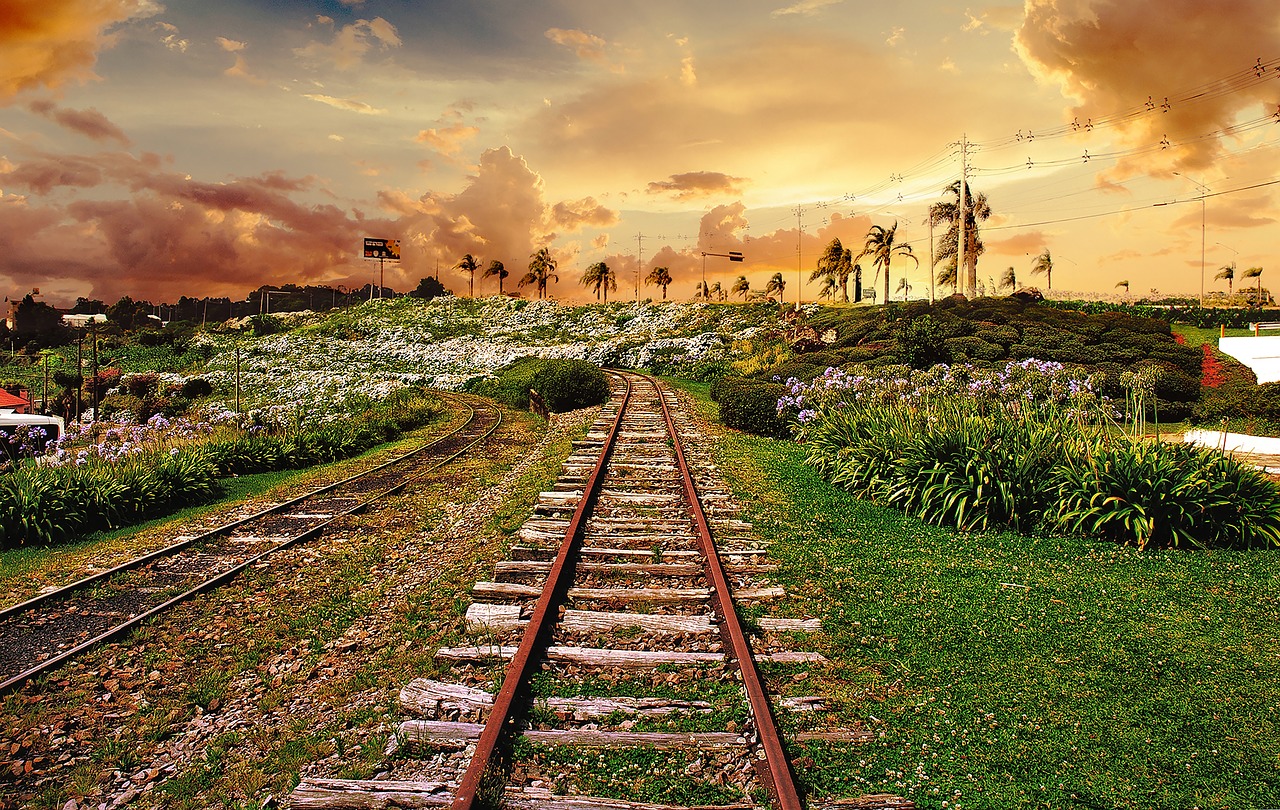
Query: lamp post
x,y
1204,191
733,256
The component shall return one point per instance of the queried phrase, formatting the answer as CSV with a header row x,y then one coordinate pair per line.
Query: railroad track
x,y
41,633
630,682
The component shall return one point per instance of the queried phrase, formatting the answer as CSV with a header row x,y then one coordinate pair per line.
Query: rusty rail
x,y
478,787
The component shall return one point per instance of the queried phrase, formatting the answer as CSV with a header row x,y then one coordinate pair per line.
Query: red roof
x,y
8,400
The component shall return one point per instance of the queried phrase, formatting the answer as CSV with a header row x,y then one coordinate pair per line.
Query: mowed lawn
x,y
1000,670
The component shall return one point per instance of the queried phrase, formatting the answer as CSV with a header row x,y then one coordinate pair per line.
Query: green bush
x,y
752,406
196,387
974,348
567,385
1168,495
923,342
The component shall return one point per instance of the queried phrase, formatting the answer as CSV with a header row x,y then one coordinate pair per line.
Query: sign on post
x,y
382,249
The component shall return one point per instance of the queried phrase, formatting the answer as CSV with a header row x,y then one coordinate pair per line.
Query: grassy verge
x,y
1002,670
1195,336
25,571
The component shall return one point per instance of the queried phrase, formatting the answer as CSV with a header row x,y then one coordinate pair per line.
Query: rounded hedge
x,y
752,406
567,385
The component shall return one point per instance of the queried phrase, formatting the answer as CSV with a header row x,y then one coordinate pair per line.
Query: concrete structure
x,y
1262,354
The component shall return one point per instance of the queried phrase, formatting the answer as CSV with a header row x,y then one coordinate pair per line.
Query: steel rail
x,y
777,770
173,548
478,787
225,576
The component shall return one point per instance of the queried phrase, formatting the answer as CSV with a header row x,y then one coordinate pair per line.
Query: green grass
x,y
1195,336
1004,670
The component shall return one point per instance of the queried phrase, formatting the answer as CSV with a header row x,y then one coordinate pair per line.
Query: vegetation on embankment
x,y
1000,670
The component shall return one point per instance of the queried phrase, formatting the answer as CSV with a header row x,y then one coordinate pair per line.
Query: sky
x,y
159,149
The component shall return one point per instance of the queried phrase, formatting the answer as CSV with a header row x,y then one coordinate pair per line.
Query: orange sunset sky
x,y
157,149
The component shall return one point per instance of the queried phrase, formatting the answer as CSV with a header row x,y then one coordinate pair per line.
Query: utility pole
x,y
93,335
799,254
932,299
962,244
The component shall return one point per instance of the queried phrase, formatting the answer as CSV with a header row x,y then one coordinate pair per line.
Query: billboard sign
x,y
388,249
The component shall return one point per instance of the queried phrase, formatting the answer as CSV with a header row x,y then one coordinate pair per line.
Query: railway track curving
x,y
605,666
38,635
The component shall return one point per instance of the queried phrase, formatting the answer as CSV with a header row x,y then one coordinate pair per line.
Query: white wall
x,y
1262,354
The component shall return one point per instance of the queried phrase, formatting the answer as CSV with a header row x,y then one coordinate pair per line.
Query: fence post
x,y
538,405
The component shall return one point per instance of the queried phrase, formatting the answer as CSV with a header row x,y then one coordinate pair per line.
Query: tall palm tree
x,y
1228,272
904,287
1043,264
836,262
717,292
496,268
777,285
948,210
829,287
600,278
1009,279
700,291
1255,272
659,277
882,246
542,268
741,287
1124,284
469,264
947,275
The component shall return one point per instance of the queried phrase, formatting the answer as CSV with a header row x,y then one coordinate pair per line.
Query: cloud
x,y
348,104
692,185
447,140
89,123
896,36
805,8
1111,56
171,38
586,46
351,43
578,214
49,43
230,45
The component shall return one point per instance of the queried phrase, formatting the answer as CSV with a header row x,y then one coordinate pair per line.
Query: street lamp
x,y
733,256
1204,191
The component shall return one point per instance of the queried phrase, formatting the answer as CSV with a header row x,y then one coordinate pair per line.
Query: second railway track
x,y
41,633
629,680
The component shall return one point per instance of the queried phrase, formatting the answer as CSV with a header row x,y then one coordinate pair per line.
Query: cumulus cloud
x,y
447,140
587,46
692,185
348,104
230,45
49,43
1111,56
806,8
896,36
89,123
172,38
577,214
351,43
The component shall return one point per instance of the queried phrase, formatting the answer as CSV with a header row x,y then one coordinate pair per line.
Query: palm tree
x,y
882,247
1228,272
541,270
718,292
829,287
904,287
947,275
1255,272
741,287
836,263
600,278
1124,284
777,284
1043,264
700,290
469,264
496,268
659,277
1009,279
948,211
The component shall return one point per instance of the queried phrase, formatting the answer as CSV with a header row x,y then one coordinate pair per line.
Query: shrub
x,y
752,406
141,386
1168,495
196,387
923,342
567,385
974,348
